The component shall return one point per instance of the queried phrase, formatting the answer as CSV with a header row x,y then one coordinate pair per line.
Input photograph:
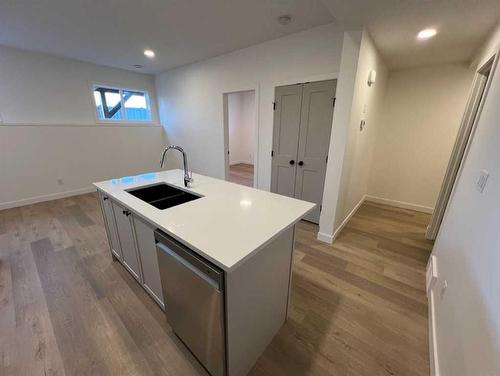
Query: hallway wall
x,y
467,312
366,105
422,112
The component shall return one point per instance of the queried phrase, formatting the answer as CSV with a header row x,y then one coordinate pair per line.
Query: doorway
x,y
303,116
458,154
240,129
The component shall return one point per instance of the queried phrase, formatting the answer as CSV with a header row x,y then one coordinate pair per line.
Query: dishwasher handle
x,y
194,264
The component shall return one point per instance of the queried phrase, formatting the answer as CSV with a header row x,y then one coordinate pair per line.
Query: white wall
x,y
421,116
241,126
49,129
191,97
367,104
467,313
350,149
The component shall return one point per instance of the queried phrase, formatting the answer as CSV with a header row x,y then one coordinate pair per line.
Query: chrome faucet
x,y
188,176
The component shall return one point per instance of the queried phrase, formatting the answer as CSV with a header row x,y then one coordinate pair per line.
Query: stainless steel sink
x,y
162,195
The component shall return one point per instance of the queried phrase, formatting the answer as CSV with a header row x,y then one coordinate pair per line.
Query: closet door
x,y
288,101
314,141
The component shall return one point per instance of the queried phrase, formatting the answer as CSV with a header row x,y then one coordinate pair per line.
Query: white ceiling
x,y
115,32
463,26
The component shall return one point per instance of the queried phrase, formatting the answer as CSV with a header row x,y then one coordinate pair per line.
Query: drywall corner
x,y
351,148
341,119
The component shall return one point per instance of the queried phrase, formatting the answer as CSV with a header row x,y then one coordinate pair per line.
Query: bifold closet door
x,y
314,141
301,137
288,101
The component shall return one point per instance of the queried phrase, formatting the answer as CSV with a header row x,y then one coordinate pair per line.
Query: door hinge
x,y
272,153
274,106
333,102
320,207
326,159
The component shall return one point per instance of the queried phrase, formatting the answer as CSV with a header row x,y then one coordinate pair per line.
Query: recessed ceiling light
x,y
426,34
284,20
149,53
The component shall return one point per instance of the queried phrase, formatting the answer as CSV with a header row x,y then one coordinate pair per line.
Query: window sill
x,y
77,125
118,123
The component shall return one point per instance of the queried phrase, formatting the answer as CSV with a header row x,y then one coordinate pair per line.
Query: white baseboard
x,y
349,216
400,204
328,238
49,197
325,238
431,279
433,350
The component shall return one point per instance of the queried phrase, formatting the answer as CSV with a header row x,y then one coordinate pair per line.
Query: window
x,y
122,104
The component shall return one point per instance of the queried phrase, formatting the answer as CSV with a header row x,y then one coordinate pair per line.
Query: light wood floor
x,y
241,173
357,308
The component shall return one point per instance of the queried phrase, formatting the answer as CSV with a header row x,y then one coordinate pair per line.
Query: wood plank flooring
x,y
241,173
358,306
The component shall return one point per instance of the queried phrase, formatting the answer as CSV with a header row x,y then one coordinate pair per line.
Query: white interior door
x,y
314,141
288,101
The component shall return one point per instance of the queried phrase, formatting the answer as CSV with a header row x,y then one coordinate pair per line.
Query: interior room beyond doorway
x,y
240,116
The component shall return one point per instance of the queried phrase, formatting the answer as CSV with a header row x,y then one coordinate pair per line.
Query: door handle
x,y
292,162
301,163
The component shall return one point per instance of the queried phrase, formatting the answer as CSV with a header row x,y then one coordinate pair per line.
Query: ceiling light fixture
x,y
426,34
284,20
149,53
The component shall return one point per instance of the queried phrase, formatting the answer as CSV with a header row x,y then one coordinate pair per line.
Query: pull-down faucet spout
x,y
188,176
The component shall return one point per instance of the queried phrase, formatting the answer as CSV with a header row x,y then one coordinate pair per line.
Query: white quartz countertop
x,y
227,225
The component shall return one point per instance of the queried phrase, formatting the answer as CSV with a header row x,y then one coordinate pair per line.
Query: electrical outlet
x,y
483,179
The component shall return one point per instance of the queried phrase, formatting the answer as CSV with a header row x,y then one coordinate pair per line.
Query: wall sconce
x,y
372,76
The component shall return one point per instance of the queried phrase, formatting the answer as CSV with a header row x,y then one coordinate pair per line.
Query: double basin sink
x,y
162,196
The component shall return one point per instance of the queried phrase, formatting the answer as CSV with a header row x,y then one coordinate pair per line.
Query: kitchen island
x,y
243,234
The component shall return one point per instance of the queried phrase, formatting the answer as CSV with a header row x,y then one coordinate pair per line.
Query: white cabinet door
x,y
149,260
125,230
110,224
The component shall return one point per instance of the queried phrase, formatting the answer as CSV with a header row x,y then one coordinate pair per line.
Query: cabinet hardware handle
x,y
301,163
292,162
104,198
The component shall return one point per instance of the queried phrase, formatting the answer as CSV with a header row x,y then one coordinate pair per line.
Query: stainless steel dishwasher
x,y
193,291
